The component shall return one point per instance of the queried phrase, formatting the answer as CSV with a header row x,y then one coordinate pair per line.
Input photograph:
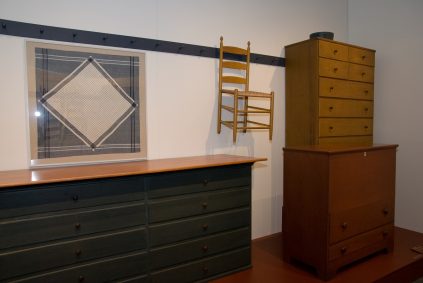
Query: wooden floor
x,y
400,266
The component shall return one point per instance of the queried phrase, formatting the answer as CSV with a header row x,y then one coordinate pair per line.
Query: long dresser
x,y
338,204
170,220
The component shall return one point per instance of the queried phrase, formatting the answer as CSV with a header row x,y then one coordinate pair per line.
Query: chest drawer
x,y
361,73
99,271
46,198
351,222
329,107
361,56
333,50
199,180
357,140
333,68
54,226
197,204
202,269
199,226
39,258
345,127
345,89
199,248
376,239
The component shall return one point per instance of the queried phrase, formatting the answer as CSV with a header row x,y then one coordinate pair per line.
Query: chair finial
x,y
248,43
221,38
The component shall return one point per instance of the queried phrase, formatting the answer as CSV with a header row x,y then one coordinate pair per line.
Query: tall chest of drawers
x,y
174,220
329,93
338,204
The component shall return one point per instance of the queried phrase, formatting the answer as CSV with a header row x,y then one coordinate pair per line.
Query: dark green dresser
x,y
170,220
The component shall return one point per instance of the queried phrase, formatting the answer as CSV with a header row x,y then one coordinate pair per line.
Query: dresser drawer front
x,y
345,89
345,127
353,140
202,269
333,50
199,248
361,73
179,230
99,271
46,198
40,258
329,107
197,204
199,180
54,226
378,237
348,223
361,56
333,68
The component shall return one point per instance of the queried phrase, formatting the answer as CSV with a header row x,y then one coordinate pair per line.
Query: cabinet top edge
x,y
35,176
328,40
336,149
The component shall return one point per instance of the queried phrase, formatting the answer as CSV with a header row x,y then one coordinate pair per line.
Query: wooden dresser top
x,y
335,149
72,173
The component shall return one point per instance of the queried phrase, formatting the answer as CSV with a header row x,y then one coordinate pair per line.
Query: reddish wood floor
x,y
402,265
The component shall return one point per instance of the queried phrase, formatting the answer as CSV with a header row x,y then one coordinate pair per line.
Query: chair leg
x,y
235,118
271,116
245,113
219,113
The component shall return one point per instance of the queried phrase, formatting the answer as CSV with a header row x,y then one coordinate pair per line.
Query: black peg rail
x,y
28,30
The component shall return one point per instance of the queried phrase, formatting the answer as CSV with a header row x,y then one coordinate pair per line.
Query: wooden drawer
x,y
99,271
361,73
330,107
361,56
202,269
199,248
53,226
345,89
39,258
351,222
333,68
197,204
345,127
180,230
377,237
351,140
199,180
46,198
333,50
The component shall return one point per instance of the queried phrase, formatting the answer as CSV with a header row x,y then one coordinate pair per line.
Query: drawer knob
x,y
78,226
335,70
331,128
366,91
81,279
75,198
385,211
331,89
366,127
205,182
330,108
204,205
344,225
366,109
343,250
78,252
335,51
205,227
385,234
205,248
363,74
363,57
205,270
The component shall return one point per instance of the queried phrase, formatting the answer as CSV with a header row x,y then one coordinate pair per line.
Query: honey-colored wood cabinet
x,y
338,204
329,93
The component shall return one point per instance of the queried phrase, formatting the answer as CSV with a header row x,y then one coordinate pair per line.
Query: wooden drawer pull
x,y
366,127
331,89
343,250
330,128
75,198
366,92
205,182
205,270
344,225
366,109
205,227
363,74
205,248
77,226
78,252
385,211
204,205
363,57
81,279
330,108
335,51
335,70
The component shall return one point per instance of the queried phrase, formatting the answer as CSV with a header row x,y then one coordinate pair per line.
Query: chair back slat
x,y
234,65
234,50
234,80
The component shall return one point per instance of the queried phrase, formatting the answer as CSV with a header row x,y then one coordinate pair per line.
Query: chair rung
x,y
259,108
228,108
257,123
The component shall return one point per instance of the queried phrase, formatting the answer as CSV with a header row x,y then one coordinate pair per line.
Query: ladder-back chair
x,y
234,74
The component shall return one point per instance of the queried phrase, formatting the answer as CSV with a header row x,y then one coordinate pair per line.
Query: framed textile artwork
x,y
85,104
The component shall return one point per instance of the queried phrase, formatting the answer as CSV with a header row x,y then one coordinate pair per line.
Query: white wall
x,y
181,90
394,29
